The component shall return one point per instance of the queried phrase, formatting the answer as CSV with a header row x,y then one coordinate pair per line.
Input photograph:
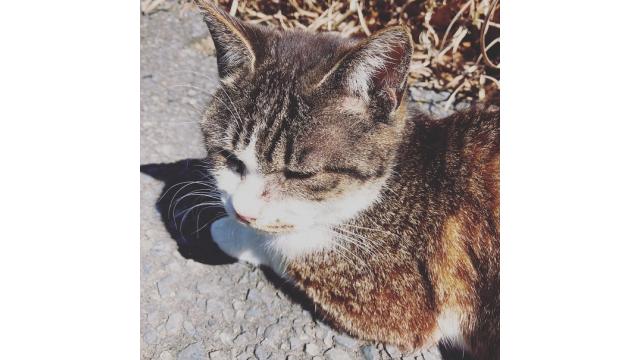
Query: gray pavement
x,y
195,303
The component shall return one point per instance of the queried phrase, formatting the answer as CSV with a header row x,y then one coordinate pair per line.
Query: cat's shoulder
x,y
472,124
474,117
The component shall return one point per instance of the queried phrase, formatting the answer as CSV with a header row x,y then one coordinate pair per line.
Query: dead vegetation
x,y
457,42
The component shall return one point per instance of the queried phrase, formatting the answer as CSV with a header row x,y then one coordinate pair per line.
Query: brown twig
x,y
453,21
363,22
483,35
234,8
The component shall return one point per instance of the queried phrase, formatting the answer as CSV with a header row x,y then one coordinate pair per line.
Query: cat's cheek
x,y
348,205
227,181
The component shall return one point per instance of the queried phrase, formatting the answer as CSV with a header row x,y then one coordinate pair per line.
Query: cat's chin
x,y
267,248
301,242
276,230
268,230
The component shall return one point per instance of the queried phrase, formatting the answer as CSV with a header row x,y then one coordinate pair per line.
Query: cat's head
x,y
303,130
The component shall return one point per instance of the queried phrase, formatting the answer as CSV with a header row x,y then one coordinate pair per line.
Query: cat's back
x,y
474,134
453,166
457,162
455,159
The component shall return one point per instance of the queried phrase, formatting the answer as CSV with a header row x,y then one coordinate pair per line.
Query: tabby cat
x,y
386,219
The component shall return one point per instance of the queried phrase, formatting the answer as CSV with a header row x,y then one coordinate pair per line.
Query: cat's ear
x,y
377,66
232,39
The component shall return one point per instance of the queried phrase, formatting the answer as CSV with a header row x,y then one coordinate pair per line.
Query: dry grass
x,y
457,43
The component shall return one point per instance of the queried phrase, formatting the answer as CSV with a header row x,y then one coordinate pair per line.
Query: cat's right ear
x,y
376,67
232,39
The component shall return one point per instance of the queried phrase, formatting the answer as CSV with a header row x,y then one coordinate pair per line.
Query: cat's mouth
x,y
274,228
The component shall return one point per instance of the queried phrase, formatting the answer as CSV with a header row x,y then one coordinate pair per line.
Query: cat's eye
x,y
299,175
234,164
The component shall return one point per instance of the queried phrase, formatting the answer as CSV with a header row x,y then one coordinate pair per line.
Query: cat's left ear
x,y
232,39
378,66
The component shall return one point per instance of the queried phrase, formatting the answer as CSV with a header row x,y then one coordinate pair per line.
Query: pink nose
x,y
245,218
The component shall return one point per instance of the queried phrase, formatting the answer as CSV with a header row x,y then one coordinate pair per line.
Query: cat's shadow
x,y
187,212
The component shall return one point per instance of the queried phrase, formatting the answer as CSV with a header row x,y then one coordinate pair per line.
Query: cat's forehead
x,y
303,142
301,52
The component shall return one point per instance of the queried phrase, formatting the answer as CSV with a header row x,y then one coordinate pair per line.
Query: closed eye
x,y
233,163
289,174
352,172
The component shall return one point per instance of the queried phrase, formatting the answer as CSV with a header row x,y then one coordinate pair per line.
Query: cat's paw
x,y
238,241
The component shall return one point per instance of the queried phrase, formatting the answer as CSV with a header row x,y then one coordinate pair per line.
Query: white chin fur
x,y
260,248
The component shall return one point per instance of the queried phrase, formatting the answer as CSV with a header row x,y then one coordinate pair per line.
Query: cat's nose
x,y
246,207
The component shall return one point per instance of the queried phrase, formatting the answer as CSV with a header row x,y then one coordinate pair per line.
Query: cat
x,y
386,219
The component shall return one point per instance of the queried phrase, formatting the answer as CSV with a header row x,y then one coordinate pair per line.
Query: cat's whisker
x,y
171,203
183,122
371,248
199,74
184,212
364,249
365,228
198,111
234,106
338,247
359,243
346,239
236,116
184,217
204,170
363,263
189,86
387,186
209,222
372,243
181,183
206,167
210,177
198,194
187,185
207,162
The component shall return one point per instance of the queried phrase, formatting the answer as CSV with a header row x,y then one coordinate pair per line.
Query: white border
x,y
69,102
570,180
